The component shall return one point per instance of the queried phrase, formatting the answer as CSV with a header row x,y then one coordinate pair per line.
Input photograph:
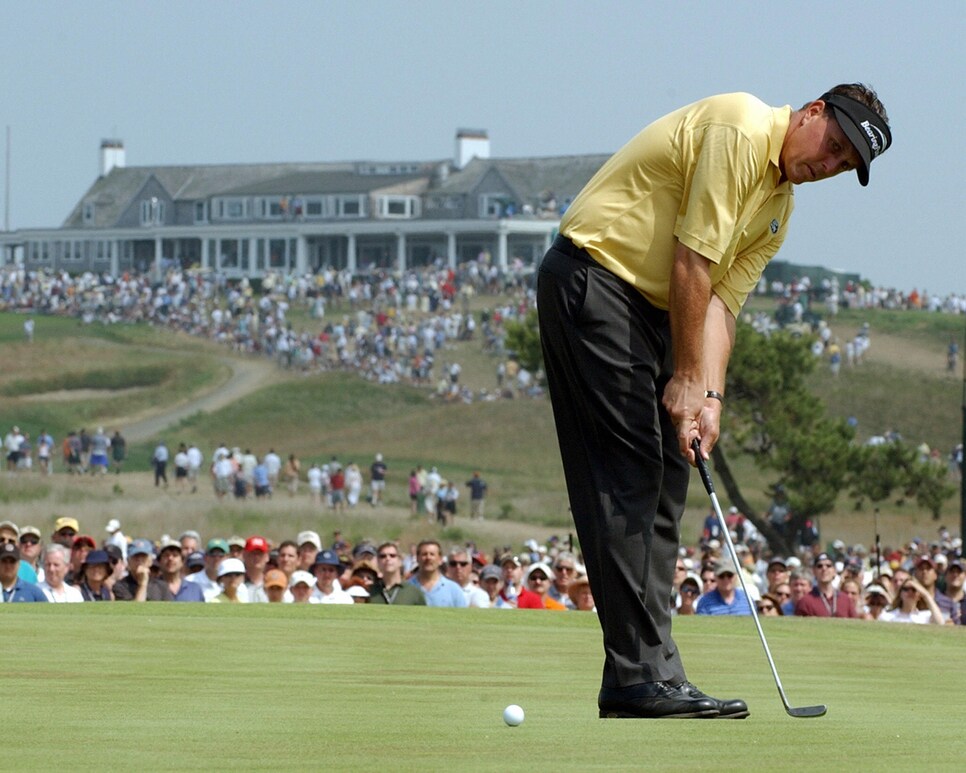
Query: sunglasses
x,y
783,594
538,578
766,607
824,565
459,563
388,555
689,591
29,541
909,589
726,574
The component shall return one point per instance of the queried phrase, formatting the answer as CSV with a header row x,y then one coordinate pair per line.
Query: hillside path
x,y
247,376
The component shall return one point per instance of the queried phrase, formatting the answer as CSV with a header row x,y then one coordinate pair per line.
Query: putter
x,y
792,711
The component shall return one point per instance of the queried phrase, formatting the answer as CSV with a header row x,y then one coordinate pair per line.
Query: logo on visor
x,y
877,139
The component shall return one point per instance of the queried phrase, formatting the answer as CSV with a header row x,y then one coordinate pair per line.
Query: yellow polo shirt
x,y
707,175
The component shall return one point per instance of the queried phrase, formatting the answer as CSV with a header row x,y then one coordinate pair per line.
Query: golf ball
x,y
513,715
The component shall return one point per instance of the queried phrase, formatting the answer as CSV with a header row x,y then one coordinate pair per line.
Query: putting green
x,y
183,686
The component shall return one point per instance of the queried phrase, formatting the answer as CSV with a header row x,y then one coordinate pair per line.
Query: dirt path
x,y
247,375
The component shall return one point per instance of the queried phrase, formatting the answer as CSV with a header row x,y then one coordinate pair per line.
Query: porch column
x,y
451,249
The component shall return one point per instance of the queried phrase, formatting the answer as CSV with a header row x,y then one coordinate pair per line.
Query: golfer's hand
x,y
709,427
684,400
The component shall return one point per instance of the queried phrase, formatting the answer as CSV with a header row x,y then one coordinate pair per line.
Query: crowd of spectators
x,y
388,329
917,583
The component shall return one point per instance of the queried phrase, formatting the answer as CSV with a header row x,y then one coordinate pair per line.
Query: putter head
x,y
808,711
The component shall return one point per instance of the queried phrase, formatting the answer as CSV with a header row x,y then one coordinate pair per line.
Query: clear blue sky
x,y
223,82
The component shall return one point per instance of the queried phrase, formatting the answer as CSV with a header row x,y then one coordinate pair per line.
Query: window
x,y
492,204
232,209
315,207
273,208
152,211
398,206
349,206
88,213
201,212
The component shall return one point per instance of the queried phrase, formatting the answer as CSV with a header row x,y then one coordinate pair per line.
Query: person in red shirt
x,y
536,590
824,600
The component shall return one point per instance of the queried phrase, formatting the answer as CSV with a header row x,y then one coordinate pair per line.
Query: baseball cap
x,y
140,547
231,566
256,545
32,530
822,557
926,559
195,559
97,557
873,589
8,550
364,549
217,544
327,558
310,537
777,561
66,523
235,541
508,559
489,572
114,553
865,128
83,539
112,526
190,533
542,567
169,543
724,567
11,526
275,578
301,575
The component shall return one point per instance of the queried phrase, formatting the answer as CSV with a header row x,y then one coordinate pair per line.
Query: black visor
x,y
864,127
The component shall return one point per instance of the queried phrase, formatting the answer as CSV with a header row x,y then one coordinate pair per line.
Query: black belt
x,y
563,245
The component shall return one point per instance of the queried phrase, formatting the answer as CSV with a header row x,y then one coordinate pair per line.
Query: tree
x,y
523,339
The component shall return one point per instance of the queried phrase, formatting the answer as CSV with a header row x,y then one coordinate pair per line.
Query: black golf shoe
x,y
730,709
655,700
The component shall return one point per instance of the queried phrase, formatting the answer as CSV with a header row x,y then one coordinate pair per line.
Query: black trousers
x,y
607,355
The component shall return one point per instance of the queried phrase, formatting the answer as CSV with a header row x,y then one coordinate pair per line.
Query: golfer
x,y
637,300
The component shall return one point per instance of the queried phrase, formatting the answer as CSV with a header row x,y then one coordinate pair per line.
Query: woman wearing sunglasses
x,y
913,604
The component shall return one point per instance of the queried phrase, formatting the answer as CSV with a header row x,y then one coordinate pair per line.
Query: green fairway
x,y
204,687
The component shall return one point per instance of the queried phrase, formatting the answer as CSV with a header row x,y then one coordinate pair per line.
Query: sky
x,y
248,82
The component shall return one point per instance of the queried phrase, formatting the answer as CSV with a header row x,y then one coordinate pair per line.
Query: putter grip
x,y
702,466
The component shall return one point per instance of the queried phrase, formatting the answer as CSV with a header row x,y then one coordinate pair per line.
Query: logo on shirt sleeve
x,y
774,226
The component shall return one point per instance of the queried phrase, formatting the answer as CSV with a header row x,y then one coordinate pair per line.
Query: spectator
x,y
327,569
171,560
776,573
769,606
512,570
877,599
688,594
82,545
536,591
290,474
725,599
30,550
799,585
439,591
92,577
276,585
209,580
255,558
65,529
955,576
56,563
824,600
927,575
301,586
139,585
160,462
13,588
116,537
913,604
582,598
288,557
377,480
564,571
478,489
118,451
391,587
459,568
309,544
231,576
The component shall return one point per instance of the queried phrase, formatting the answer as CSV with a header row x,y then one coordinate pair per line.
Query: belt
x,y
563,245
